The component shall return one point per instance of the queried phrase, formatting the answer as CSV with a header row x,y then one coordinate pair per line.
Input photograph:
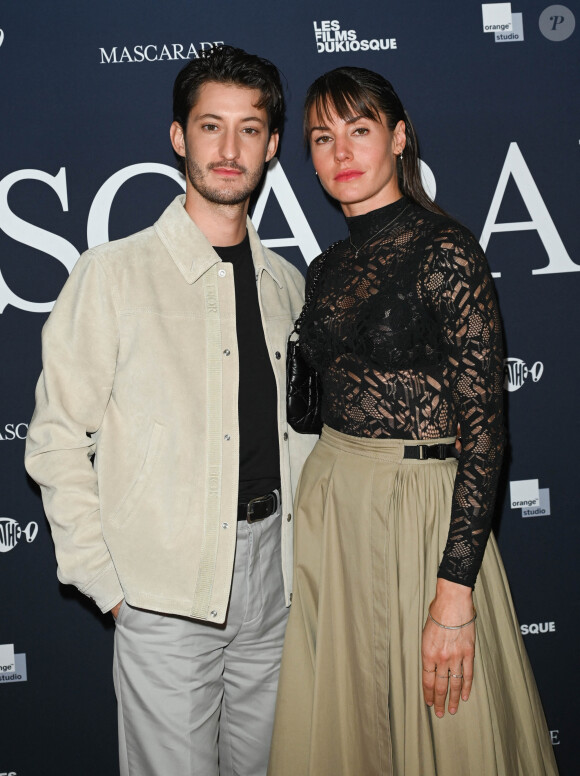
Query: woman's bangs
x,y
344,103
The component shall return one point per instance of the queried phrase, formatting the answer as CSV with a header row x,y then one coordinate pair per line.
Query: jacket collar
x,y
190,249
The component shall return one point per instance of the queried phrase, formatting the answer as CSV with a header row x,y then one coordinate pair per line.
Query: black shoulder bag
x,y
303,385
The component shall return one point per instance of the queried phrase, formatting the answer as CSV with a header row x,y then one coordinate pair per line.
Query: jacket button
x,y
285,436
225,525
213,613
226,352
289,518
227,437
277,354
222,273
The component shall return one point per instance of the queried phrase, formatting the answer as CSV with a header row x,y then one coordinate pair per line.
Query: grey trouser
x,y
189,691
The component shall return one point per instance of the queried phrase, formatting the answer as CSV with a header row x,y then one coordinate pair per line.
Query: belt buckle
x,y
259,500
423,452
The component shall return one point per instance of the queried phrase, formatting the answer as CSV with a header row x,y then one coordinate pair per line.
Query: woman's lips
x,y
348,175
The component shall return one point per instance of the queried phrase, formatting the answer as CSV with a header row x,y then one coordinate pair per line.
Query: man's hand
x,y
115,609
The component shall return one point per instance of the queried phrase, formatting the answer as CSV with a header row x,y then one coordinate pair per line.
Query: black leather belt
x,y
423,452
258,508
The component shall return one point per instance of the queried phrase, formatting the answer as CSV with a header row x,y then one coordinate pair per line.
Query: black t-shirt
x,y
257,396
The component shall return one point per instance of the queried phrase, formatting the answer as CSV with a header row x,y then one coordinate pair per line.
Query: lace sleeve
x,y
461,289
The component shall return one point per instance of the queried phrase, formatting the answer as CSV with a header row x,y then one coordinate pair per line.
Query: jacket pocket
x,y
133,496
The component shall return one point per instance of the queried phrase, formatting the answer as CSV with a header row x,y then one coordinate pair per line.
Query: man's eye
x,y
250,130
210,127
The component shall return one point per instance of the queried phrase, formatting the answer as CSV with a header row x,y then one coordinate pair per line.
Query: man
x,y
164,360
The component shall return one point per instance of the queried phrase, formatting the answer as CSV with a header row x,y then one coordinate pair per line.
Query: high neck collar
x,y
364,226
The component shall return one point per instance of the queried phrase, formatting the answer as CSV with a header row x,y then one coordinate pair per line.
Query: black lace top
x,y
406,333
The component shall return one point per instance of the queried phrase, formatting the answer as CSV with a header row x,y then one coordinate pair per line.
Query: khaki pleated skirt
x,y
371,528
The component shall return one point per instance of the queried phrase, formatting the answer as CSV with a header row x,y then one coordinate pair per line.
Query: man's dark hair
x,y
229,65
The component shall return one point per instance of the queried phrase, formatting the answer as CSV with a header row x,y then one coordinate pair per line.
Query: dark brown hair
x,y
355,91
229,65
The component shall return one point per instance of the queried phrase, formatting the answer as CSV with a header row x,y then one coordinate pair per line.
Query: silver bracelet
x,y
452,627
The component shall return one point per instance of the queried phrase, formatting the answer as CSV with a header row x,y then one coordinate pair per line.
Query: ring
x,y
443,676
457,676
430,670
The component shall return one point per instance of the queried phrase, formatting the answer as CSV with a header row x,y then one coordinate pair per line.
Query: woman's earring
x,y
401,156
315,173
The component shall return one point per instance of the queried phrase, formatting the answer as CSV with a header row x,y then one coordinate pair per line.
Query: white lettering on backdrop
x,y
276,183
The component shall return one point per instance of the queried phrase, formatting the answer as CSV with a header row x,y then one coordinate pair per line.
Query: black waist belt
x,y
423,452
258,508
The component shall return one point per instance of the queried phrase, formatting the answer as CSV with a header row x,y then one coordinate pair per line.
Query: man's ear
x,y
272,145
177,138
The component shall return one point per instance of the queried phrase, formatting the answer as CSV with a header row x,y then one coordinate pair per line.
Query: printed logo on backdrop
x,y
276,183
1,37
54,245
12,431
540,219
156,52
506,26
554,736
517,372
557,23
11,533
12,666
530,498
331,38
537,628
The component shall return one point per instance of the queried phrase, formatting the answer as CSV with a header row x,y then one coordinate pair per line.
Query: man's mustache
x,y
227,165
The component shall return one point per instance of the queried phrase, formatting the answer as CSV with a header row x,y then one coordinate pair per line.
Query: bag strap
x,y
308,302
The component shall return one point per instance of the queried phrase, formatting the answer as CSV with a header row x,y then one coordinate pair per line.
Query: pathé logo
x,y
1,37
11,533
516,373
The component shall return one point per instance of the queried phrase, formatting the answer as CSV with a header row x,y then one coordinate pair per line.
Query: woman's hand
x,y
448,654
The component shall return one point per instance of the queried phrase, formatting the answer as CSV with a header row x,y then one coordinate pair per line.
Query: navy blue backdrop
x,y
85,93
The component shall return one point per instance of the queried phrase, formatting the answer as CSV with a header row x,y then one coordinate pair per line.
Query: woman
x,y
390,527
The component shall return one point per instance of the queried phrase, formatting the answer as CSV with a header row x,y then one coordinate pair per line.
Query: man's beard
x,y
218,196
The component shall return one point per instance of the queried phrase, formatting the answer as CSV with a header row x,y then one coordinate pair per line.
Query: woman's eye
x,y
361,131
322,139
